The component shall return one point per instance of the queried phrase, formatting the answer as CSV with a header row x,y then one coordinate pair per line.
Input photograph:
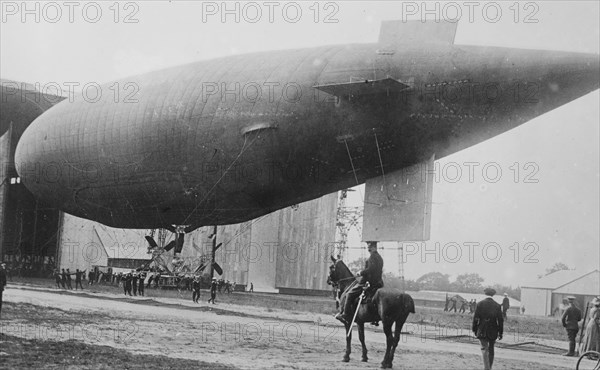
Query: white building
x,y
544,297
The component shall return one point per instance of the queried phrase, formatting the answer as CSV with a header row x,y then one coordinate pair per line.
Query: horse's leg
x,y
397,330
389,341
361,336
348,343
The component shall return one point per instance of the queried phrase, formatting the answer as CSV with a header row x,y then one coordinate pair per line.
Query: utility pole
x,y
401,265
346,218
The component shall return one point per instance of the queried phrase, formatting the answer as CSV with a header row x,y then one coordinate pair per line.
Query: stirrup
x,y
341,318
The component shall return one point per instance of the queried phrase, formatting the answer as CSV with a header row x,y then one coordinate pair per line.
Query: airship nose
x,y
39,160
569,75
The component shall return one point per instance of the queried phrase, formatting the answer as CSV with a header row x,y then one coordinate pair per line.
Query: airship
x,y
228,140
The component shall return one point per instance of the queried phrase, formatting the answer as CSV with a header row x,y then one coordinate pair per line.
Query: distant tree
x,y
389,276
412,285
391,280
512,292
357,265
434,281
557,267
468,283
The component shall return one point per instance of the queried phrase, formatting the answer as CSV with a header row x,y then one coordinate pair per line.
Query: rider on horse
x,y
371,274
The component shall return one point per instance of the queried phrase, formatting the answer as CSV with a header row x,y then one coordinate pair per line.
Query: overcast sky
x,y
555,219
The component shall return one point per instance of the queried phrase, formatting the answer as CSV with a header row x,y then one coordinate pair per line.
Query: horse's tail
x,y
408,302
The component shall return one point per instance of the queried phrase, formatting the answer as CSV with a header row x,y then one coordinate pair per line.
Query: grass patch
x,y
17,353
522,327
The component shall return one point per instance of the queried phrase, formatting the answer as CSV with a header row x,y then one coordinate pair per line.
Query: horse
x,y
388,305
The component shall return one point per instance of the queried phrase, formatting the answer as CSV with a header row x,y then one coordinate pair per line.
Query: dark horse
x,y
388,305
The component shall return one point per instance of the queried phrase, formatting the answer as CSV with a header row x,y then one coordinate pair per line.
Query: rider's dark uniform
x,y
371,274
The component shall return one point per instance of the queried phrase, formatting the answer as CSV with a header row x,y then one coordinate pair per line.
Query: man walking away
x,y
488,325
570,321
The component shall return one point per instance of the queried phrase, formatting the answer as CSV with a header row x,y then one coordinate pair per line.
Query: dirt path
x,y
224,334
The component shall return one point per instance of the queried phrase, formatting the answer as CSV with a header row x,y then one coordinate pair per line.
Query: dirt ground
x,y
221,335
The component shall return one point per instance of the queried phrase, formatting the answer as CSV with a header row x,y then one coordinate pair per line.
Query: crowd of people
x,y
28,266
135,282
451,303
570,319
64,278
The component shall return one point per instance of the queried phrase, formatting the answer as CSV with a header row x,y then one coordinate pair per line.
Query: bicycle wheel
x,y
590,360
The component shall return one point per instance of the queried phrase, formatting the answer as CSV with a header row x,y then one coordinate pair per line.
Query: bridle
x,y
336,283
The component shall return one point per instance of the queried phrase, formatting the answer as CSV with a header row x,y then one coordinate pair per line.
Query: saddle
x,y
367,294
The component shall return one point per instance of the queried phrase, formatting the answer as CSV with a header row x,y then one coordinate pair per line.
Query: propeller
x,y
151,241
217,268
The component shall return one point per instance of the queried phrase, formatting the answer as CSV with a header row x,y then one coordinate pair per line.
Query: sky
x,y
546,212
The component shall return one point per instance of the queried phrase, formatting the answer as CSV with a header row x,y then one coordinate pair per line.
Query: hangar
x,y
28,226
544,297
284,252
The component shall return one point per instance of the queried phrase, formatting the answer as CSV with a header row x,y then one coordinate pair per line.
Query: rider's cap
x,y
489,291
571,298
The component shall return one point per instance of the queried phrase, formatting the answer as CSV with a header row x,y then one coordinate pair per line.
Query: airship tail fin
x,y
400,32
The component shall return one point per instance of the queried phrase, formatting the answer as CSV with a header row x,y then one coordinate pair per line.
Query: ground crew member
x,y
213,290
78,275
570,321
57,278
68,279
134,281
505,305
63,279
141,284
196,289
2,282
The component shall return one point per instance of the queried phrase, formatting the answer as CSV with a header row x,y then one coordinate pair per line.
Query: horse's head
x,y
331,279
338,271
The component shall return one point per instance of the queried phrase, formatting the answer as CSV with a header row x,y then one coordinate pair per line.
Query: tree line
x,y
464,283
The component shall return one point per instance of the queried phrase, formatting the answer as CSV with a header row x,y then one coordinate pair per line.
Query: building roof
x,y
556,279
588,284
